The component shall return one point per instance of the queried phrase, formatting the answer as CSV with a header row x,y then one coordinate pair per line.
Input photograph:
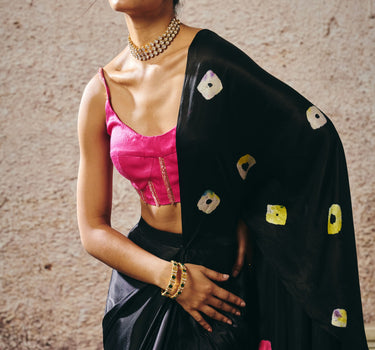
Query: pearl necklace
x,y
157,46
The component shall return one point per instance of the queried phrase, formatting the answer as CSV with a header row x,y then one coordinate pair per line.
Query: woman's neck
x,y
144,29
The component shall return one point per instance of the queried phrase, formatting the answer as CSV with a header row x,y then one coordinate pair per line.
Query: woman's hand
x,y
202,296
244,249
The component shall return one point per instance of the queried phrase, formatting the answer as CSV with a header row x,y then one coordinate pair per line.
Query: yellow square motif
x,y
276,214
339,318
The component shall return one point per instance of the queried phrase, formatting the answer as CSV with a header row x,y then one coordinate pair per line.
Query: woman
x,y
210,141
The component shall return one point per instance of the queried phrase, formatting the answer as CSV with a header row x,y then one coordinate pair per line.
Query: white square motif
x,y
208,202
210,85
315,117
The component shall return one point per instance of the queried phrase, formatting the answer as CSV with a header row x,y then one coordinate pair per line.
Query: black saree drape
x,y
251,147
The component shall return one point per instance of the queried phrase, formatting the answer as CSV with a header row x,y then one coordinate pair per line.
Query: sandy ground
x,y
52,292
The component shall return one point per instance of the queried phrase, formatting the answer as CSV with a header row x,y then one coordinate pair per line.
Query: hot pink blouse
x,y
149,162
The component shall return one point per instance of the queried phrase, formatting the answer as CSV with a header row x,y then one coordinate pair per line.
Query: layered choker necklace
x,y
157,46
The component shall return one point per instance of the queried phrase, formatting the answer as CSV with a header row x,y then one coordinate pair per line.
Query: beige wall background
x,y
52,293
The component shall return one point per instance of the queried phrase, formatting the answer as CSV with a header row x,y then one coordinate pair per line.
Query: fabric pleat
x,y
139,317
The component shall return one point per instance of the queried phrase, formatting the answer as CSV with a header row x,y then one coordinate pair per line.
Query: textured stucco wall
x,y
52,292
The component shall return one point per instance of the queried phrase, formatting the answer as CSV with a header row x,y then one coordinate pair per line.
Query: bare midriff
x,y
164,217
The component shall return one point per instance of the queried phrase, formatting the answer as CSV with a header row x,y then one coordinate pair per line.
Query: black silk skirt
x,y
138,317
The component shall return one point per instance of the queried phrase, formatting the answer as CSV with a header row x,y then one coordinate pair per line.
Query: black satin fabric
x,y
300,165
138,317
300,274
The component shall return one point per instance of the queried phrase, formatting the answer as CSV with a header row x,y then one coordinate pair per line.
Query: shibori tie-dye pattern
x,y
315,117
244,164
230,107
210,85
334,219
208,202
339,318
276,214
265,345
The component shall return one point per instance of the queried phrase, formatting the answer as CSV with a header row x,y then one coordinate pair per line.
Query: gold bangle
x,y
168,291
182,281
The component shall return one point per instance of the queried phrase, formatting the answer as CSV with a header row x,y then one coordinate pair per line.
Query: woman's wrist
x,y
163,273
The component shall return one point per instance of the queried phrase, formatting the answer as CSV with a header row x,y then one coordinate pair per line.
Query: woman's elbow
x,y
91,238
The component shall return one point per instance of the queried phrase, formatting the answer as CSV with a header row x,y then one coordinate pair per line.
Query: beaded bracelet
x,y
182,281
168,291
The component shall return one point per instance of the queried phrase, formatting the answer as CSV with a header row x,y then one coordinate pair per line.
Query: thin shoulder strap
x,y
102,77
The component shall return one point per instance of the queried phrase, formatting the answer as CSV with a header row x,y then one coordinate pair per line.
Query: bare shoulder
x,y
95,89
92,107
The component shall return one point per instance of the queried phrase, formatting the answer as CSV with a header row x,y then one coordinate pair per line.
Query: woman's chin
x,y
120,5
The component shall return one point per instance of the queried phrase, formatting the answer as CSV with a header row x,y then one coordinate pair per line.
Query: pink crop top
x,y
149,162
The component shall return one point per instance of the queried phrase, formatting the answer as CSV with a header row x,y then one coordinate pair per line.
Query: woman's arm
x,y
94,200
94,197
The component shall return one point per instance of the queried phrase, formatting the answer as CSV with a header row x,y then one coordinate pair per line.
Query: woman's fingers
x,y
214,275
222,305
220,292
198,317
227,296
216,315
202,296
